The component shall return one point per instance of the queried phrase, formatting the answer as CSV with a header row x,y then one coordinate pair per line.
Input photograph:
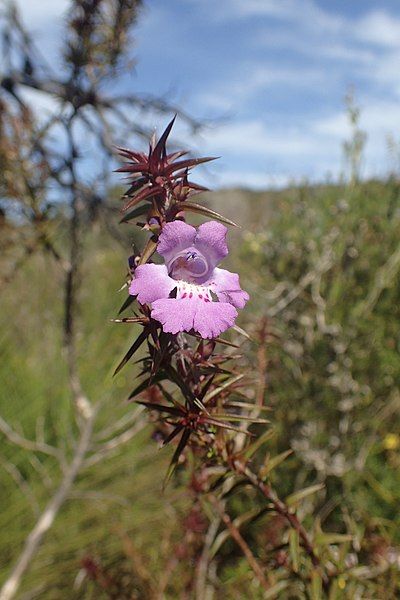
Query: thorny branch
x,y
282,509
201,417
241,542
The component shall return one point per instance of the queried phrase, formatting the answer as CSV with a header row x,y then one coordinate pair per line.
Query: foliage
x,y
360,501
297,505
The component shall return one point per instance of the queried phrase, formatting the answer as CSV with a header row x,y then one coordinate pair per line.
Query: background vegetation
x,y
321,264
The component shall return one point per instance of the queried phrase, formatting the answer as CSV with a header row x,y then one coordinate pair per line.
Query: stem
x,y
262,362
283,510
203,564
81,402
47,517
82,405
236,535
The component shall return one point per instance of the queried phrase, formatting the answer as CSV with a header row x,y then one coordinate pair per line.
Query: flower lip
x,y
188,265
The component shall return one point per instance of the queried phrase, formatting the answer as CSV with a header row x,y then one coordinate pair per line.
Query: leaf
x,y
171,410
135,186
160,147
246,405
131,154
168,396
294,549
231,417
132,168
176,378
206,386
241,331
225,342
217,423
135,346
227,493
143,195
145,384
272,463
226,534
126,304
172,435
187,163
316,585
201,406
308,491
252,449
140,210
161,342
332,538
228,383
148,251
219,481
179,449
175,155
202,210
378,488
272,592
196,186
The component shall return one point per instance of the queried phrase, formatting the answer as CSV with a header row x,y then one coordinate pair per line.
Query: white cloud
x,y
381,117
379,27
219,100
314,44
306,12
334,126
39,13
333,48
370,44
250,79
312,150
247,138
269,8
262,76
255,180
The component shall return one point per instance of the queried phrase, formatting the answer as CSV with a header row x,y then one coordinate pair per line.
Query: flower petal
x,y
213,318
227,287
211,241
209,319
151,282
175,237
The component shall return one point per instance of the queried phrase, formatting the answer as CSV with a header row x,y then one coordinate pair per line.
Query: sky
x,y
270,76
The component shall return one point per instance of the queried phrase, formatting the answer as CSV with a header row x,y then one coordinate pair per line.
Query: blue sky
x,y
272,73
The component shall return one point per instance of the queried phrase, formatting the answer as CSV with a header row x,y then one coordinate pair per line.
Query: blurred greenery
x,y
321,263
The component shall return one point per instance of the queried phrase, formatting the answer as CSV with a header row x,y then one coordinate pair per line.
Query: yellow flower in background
x,y
391,441
341,583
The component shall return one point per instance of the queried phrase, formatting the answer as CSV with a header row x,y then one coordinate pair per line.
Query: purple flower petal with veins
x,y
184,314
182,292
226,286
151,283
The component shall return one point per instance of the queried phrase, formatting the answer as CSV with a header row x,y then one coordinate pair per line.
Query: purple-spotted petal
x,y
210,240
227,287
151,282
175,237
209,319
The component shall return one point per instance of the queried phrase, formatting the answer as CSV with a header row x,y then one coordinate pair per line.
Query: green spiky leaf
x,y
175,458
202,210
135,346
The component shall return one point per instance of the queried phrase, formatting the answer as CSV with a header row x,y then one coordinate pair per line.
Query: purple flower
x,y
189,292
